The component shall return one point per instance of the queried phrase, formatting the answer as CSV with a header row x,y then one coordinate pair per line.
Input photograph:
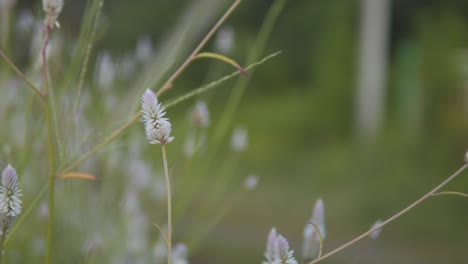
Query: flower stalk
x,y
394,217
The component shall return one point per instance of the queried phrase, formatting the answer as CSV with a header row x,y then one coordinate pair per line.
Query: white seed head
x,y
157,127
52,8
374,235
277,250
283,254
201,115
239,140
10,204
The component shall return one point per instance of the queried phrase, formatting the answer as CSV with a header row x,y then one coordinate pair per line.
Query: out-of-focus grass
x,y
299,113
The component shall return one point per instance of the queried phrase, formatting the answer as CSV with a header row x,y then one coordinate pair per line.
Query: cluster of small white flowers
x,y
157,127
10,204
311,244
52,9
277,250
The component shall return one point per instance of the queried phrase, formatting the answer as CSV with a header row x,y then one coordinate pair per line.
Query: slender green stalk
x,y
394,217
451,193
317,228
84,69
168,84
169,206
51,158
21,75
51,149
2,240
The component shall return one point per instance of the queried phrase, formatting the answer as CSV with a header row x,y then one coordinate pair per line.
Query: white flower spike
x,y
277,251
10,204
157,127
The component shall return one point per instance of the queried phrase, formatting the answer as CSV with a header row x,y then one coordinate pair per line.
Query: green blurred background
x,y
305,137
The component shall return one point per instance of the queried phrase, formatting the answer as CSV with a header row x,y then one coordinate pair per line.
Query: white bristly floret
x,y
157,127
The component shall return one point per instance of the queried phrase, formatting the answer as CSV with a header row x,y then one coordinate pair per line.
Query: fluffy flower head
x,y
277,251
52,9
157,127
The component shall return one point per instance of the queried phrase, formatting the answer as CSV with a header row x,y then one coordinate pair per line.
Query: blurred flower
x,y
52,9
311,244
157,127
466,156
251,182
224,41
25,22
179,254
200,115
239,139
374,235
105,71
144,49
277,250
10,204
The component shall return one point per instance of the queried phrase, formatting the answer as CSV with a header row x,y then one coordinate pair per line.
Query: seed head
x,y
277,251
10,204
157,127
52,9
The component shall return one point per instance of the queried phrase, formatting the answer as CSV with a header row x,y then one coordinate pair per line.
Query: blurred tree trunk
x,y
375,17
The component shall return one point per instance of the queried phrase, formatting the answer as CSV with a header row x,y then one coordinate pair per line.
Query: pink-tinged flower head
x,y
157,127
277,251
10,204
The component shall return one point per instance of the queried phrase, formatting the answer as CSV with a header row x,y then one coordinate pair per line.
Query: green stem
x,y
2,240
168,84
21,75
51,149
169,206
394,217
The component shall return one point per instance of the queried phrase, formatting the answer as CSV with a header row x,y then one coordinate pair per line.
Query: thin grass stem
x,y
21,75
169,206
394,217
168,84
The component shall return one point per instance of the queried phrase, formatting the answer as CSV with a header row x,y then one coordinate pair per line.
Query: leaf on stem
x,y
220,57
77,175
